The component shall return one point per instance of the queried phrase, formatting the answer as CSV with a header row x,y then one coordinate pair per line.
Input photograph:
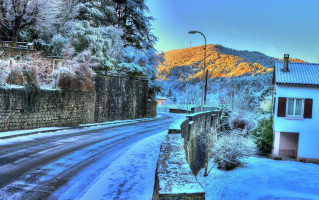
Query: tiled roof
x,y
299,73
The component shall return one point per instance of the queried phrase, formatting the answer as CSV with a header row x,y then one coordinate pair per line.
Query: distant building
x,y
296,110
160,100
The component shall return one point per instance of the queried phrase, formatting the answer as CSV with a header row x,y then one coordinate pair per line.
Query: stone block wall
x,y
26,108
120,98
116,98
151,109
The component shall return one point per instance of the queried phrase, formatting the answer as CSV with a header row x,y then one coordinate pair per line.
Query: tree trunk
x,y
16,31
15,34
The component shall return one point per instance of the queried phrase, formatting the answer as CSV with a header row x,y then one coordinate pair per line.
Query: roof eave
x,y
298,84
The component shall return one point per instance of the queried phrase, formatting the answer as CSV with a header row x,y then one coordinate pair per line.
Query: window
x,y
294,107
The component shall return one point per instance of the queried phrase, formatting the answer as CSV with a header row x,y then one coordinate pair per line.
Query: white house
x,y
296,110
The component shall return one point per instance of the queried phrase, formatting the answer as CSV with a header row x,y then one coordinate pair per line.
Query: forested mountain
x,y
241,78
220,61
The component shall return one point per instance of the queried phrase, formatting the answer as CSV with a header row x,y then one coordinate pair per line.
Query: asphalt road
x,y
63,163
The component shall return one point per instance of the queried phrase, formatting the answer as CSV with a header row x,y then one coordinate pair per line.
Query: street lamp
x,y
204,71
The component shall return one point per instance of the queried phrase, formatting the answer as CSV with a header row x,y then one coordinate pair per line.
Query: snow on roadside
x,y
22,132
132,175
262,178
31,134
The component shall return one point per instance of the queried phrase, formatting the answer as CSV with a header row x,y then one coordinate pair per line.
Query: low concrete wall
x,y
27,108
184,150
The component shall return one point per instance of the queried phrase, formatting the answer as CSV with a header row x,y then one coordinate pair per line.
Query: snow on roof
x,y
299,73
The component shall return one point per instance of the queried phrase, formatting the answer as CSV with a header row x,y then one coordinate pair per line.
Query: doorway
x,y
288,144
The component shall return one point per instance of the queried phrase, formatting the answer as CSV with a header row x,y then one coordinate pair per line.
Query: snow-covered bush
x,y
230,147
14,77
27,70
242,120
263,135
73,73
4,69
76,73
20,73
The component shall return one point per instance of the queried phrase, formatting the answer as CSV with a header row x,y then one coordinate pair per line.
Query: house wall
x,y
160,101
308,129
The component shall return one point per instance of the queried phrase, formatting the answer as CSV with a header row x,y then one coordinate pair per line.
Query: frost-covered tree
x,y
84,23
141,61
98,12
17,15
131,15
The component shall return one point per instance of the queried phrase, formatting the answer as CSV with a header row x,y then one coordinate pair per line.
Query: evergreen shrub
x,y
263,135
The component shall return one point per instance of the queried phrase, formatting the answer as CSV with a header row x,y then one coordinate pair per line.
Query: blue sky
x,y
273,27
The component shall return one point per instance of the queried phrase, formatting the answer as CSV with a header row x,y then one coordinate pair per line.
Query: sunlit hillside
x,y
220,61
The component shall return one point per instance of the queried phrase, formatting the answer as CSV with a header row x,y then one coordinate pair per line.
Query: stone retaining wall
x,y
26,108
120,98
116,98
151,109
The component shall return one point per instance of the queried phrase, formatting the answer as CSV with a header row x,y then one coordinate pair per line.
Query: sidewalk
x,y
18,133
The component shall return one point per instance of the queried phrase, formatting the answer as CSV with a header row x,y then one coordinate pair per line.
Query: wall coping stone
x,y
175,127
199,113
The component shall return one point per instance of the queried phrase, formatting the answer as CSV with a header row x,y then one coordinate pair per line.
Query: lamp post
x,y
204,71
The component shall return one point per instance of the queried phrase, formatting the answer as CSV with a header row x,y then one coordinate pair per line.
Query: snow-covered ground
x,y
262,178
132,175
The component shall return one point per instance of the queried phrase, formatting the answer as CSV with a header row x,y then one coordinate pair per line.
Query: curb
x,y
80,126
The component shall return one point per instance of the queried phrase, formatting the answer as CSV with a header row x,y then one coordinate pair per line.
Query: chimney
x,y
286,60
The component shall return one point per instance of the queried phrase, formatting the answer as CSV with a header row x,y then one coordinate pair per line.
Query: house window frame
x,y
294,109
